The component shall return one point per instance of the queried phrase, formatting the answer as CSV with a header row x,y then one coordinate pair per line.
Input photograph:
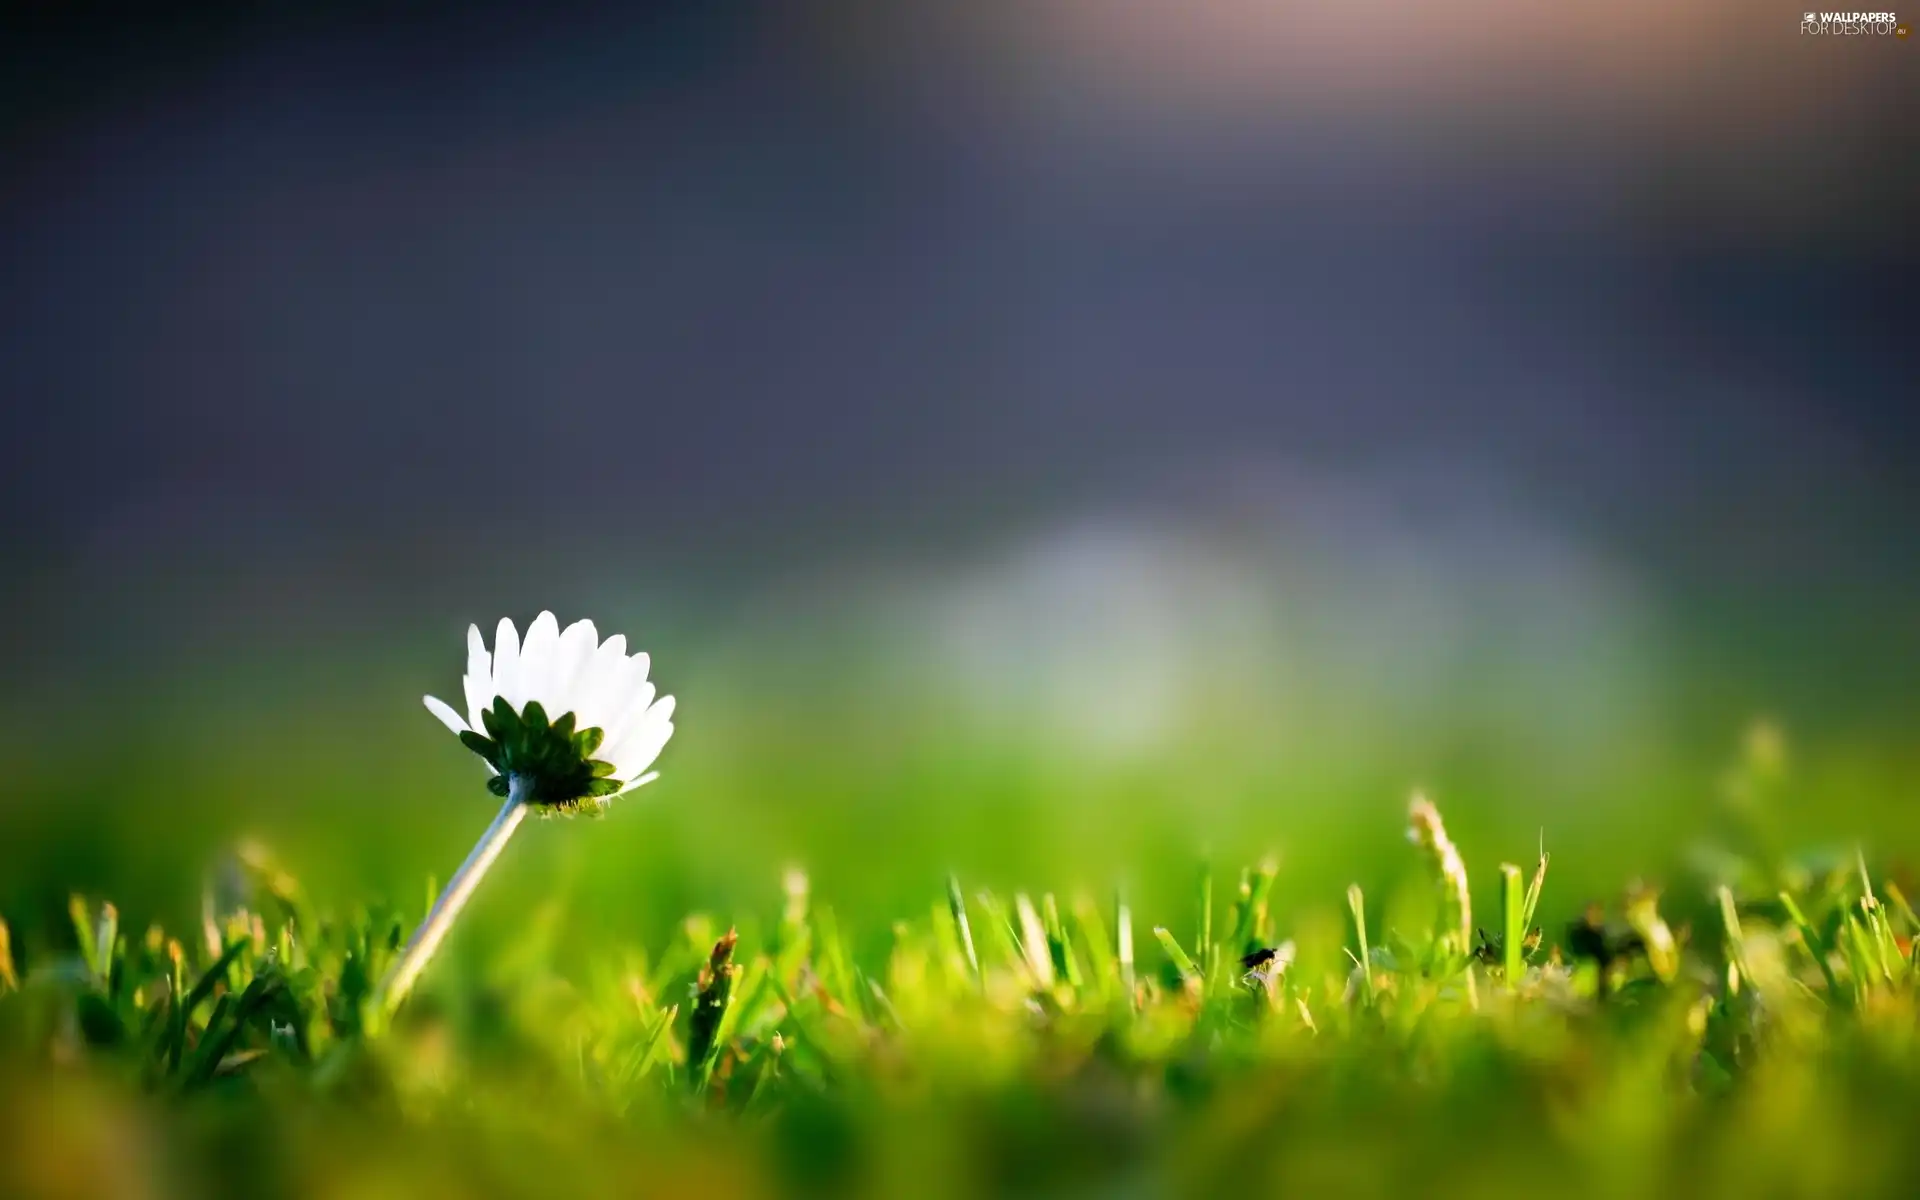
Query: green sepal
x,y
499,718
555,757
485,747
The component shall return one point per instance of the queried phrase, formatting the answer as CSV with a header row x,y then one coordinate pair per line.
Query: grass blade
x,y
1101,965
1513,903
1203,934
1357,905
658,1044
1033,942
1736,939
1066,963
1535,885
106,938
84,934
1250,914
1189,973
9,977
957,903
1815,947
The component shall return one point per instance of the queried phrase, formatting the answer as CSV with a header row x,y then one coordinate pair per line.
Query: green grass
x,y
1755,1032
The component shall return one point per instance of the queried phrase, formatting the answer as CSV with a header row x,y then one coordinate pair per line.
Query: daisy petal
x,y
477,684
640,743
595,688
538,655
628,715
479,693
627,678
479,662
444,711
643,781
506,662
577,645
639,753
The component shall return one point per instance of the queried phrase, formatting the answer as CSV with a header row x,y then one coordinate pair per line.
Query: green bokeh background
x,y
836,736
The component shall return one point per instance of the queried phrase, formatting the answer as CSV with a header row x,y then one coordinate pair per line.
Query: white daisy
x,y
564,722
573,716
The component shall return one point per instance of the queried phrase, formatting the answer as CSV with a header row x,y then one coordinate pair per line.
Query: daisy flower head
x,y
569,720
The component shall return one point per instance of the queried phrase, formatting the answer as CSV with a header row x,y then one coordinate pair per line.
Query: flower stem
x,y
454,897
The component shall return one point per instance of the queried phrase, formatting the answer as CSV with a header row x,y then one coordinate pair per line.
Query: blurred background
x,y
1050,440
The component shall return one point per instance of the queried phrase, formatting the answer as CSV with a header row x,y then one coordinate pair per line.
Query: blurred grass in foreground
x,y
1751,1031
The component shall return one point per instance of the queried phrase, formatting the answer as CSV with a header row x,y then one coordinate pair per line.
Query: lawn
x,y
1456,1025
